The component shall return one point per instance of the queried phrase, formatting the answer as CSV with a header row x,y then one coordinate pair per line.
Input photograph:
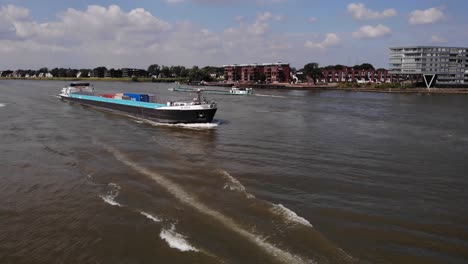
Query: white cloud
x,y
200,1
258,2
13,13
360,12
9,15
253,42
112,37
428,16
372,31
270,1
238,18
96,24
331,39
437,39
261,25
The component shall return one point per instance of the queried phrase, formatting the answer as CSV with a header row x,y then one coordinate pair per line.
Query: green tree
x,y
71,72
184,72
165,71
177,70
100,71
43,70
364,66
154,69
313,71
55,72
84,72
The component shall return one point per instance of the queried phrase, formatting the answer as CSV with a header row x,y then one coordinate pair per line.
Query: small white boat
x,y
241,91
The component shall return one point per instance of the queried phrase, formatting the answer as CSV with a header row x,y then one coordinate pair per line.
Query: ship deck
x,y
117,101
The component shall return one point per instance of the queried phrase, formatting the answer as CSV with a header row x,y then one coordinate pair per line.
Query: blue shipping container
x,y
138,97
144,98
133,96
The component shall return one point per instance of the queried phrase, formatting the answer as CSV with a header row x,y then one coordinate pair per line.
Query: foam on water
x,y
274,96
234,185
154,218
196,126
289,215
2,105
189,200
176,240
109,197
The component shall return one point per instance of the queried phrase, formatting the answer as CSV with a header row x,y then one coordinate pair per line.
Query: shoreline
x,y
103,79
406,90
276,86
359,89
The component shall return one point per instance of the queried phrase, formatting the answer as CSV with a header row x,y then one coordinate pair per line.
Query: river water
x,y
281,177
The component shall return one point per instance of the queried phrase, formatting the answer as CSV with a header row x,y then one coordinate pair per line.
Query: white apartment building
x,y
438,65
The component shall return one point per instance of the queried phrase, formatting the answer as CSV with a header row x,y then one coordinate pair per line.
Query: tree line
x,y
195,73
310,71
314,72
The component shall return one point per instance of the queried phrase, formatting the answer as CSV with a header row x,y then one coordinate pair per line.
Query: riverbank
x,y
373,89
92,79
406,90
278,86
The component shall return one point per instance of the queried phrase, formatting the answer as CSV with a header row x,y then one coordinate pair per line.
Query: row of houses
x,y
24,74
349,74
281,72
98,73
267,72
101,72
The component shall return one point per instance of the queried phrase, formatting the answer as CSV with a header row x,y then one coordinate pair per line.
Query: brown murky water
x,y
283,177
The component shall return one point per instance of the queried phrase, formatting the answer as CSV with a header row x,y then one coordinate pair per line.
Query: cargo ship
x,y
141,105
232,91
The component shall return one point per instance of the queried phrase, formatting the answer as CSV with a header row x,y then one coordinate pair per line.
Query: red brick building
x,y
270,72
349,74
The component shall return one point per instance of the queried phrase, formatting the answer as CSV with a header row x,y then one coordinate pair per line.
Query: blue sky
x,y
216,32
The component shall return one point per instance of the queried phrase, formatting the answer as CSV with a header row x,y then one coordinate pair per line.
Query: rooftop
x,y
256,64
426,47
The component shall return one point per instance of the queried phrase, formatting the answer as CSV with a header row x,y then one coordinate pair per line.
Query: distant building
x,y
441,66
97,73
269,72
128,72
350,74
112,73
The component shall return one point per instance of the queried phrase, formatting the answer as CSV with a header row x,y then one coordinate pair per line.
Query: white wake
x,y
109,197
234,184
149,216
176,240
189,200
289,215
196,126
274,96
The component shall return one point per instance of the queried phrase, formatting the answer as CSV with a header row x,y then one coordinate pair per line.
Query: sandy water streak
x,y
184,197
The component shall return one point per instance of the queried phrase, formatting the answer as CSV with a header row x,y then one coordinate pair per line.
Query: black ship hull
x,y
170,116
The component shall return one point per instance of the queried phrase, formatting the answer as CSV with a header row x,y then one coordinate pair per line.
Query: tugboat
x,y
241,91
233,91
199,110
